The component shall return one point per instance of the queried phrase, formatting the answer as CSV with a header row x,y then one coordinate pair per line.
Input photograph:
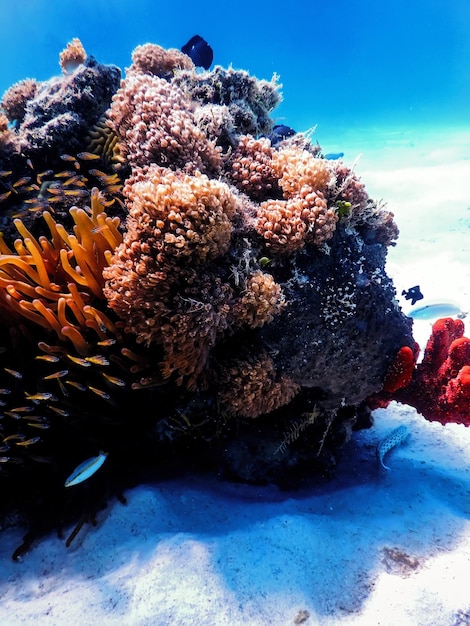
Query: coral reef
x,y
234,287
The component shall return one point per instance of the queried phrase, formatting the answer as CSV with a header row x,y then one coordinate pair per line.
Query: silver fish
x,y
396,437
86,469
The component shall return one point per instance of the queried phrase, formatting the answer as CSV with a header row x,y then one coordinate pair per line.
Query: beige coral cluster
x,y
260,301
250,167
253,387
72,56
15,99
292,185
298,169
157,282
287,225
155,124
152,59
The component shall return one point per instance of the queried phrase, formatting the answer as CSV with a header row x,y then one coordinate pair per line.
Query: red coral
x,y
400,372
440,389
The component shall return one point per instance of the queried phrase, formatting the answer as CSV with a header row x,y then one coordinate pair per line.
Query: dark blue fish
x,y
413,293
279,133
199,51
334,156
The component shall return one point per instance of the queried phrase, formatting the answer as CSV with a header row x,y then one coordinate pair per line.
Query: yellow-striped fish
x,y
86,469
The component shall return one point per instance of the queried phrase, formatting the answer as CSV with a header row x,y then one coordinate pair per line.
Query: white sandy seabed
x,y
371,547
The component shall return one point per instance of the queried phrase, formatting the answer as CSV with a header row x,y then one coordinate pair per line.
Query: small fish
x,y
279,133
78,193
413,293
64,174
22,181
61,412
13,415
199,51
67,157
55,191
114,380
396,437
39,397
88,156
28,442
78,386
434,311
86,469
14,373
47,357
60,374
334,156
99,229
44,174
4,174
106,342
5,195
41,425
97,360
74,179
100,393
78,360
14,438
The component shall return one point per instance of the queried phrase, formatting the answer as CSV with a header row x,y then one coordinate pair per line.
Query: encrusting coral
x,y
233,286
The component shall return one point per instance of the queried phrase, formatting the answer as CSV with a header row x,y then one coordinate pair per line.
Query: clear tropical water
x,y
342,63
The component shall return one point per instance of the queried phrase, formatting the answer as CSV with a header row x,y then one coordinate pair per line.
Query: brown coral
x,y
347,186
72,56
260,301
297,169
16,98
253,387
8,143
197,317
152,59
250,168
287,225
155,123
157,282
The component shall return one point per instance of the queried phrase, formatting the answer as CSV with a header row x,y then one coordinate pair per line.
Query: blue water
x,y
342,63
